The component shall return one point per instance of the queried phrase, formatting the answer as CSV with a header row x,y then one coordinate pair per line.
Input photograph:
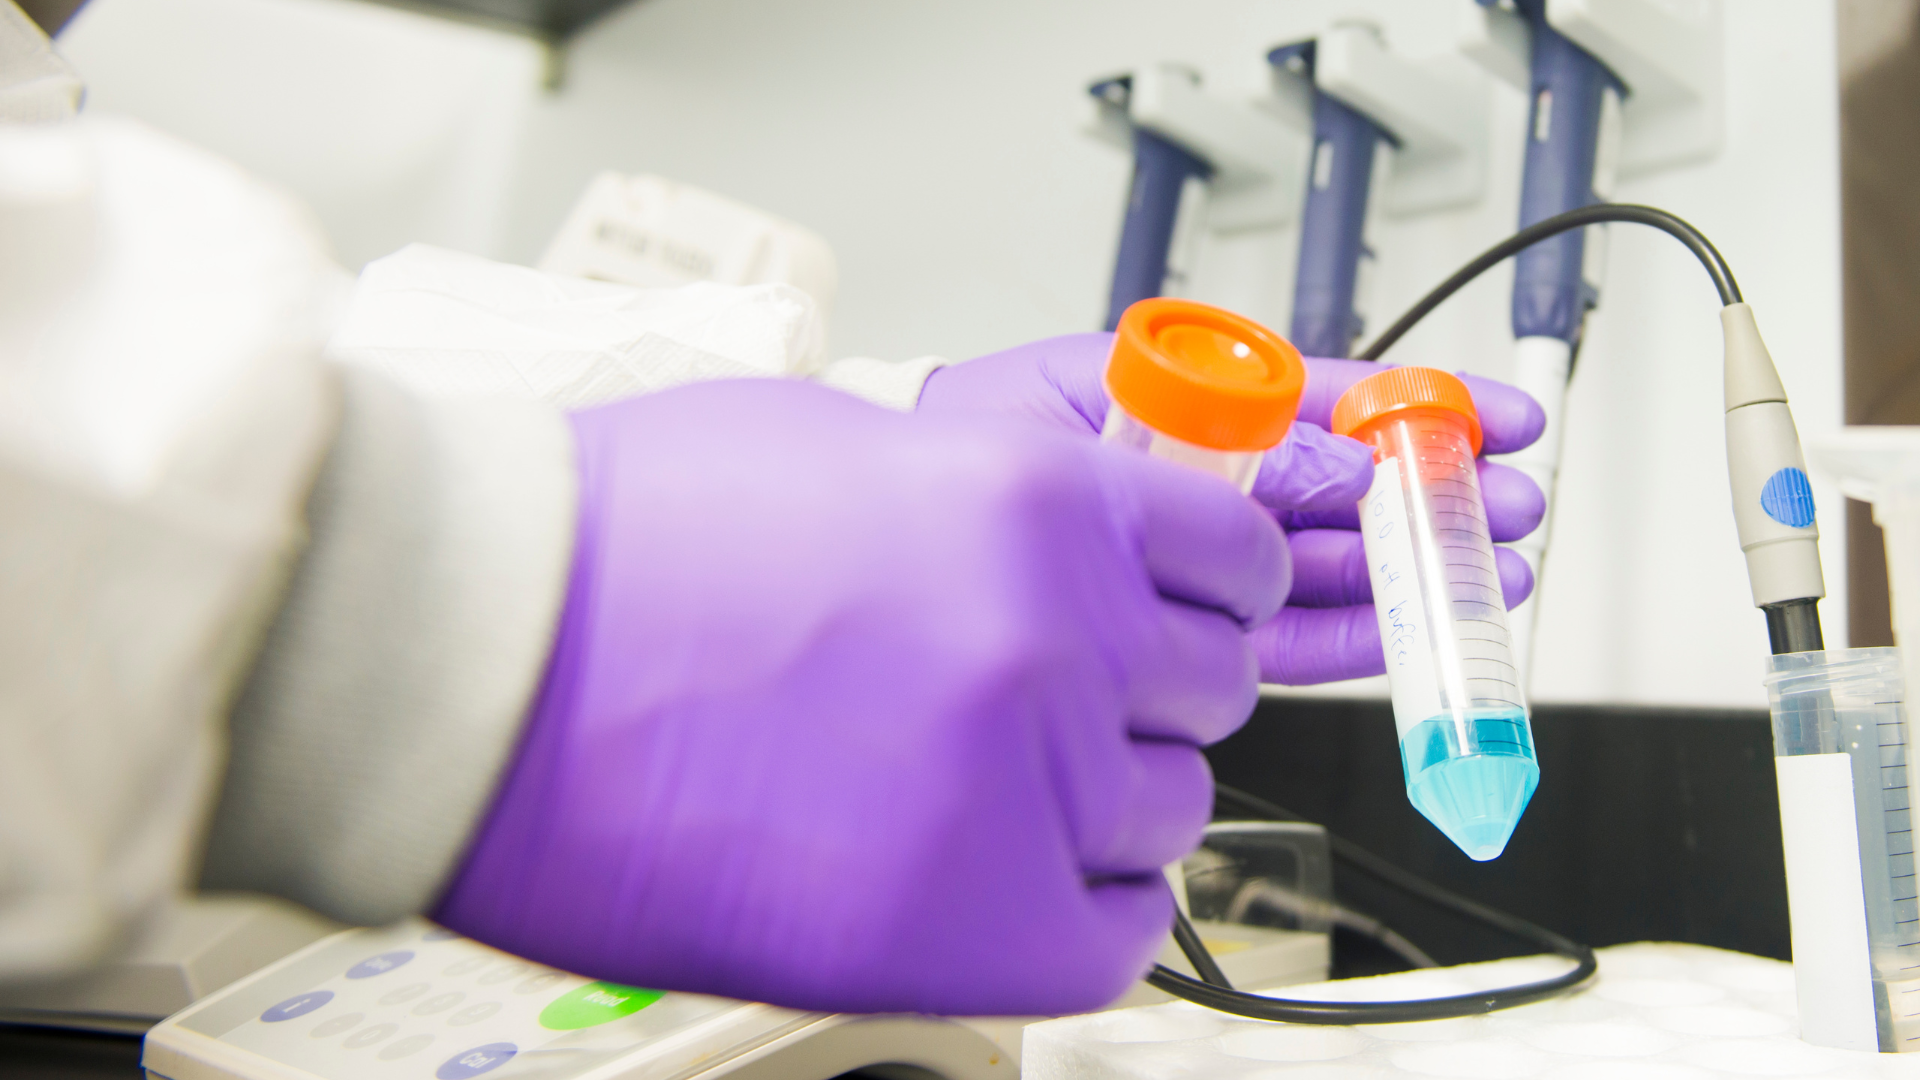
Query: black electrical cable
x,y
1288,1010
1792,625
1196,952
1597,214
1307,909
1224,998
1383,935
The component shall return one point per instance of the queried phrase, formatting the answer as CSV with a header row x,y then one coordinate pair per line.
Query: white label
x,y
1826,903
1405,632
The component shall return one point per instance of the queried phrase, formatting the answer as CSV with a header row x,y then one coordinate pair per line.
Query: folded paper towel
x,y
444,323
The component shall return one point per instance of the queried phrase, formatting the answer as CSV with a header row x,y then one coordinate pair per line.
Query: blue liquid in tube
x,y
1472,779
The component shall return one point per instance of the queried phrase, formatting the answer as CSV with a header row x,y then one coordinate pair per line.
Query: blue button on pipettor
x,y
378,965
1788,498
480,1059
296,1006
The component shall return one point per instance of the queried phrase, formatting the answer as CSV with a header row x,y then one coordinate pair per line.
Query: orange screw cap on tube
x,y
1204,375
1404,391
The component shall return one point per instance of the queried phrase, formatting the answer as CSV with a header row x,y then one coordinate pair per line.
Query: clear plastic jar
x,y
1465,739
1237,469
1201,386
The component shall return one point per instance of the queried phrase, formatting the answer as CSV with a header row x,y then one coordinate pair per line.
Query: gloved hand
x,y
851,710
1312,483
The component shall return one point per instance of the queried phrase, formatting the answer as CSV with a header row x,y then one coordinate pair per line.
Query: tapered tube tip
x,y
1476,800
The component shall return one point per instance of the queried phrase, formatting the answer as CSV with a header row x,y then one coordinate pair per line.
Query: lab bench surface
x,y
31,1053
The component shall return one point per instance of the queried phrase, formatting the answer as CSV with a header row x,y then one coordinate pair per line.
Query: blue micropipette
x,y
1347,149
1163,172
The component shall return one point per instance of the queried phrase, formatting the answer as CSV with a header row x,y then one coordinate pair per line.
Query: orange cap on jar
x,y
1404,391
1204,375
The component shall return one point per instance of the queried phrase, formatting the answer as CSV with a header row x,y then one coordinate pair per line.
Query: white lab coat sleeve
x,y
213,536
163,410
389,693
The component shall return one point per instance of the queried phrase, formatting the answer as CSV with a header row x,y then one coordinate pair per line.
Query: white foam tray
x,y
1657,1012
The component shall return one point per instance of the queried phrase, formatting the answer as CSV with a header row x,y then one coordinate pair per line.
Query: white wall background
x,y
393,126
937,146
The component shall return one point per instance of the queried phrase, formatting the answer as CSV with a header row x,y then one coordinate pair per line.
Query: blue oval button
x,y
297,1006
1788,498
378,965
478,1060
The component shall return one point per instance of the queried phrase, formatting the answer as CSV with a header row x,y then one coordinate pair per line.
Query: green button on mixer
x,y
595,1003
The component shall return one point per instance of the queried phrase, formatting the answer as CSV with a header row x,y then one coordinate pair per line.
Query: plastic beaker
x,y
1842,744
1840,758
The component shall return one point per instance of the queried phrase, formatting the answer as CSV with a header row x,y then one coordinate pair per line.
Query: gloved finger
x,y
1303,646
1312,470
1516,577
1168,804
1329,569
1198,683
1008,382
1326,381
1204,542
1515,504
1509,417
1076,365
1341,517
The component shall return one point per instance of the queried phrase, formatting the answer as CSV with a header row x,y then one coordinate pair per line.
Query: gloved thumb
x,y
1313,470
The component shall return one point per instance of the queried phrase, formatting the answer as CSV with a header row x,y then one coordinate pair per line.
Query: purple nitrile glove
x,y
853,710
1312,482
